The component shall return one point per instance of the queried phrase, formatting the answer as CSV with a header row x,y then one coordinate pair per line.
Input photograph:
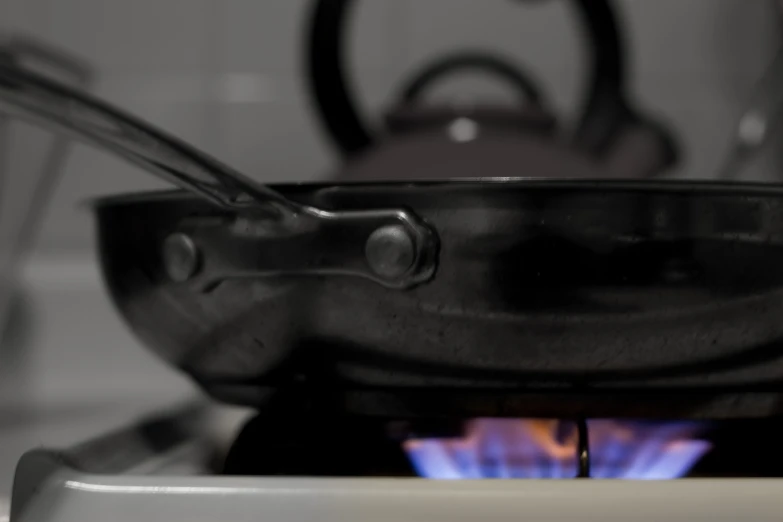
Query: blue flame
x,y
508,448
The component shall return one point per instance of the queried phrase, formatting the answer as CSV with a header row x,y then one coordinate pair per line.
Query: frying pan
x,y
470,297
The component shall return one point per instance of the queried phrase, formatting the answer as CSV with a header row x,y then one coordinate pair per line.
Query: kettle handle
x,y
414,89
604,109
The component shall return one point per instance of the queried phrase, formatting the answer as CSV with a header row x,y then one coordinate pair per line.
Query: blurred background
x,y
227,75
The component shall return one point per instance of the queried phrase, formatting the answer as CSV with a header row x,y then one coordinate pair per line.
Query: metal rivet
x,y
180,257
390,251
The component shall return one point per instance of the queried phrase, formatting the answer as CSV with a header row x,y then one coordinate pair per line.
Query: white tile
x,y
283,140
252,36
242,88
272,143
542,35
26,16
697,36
269,35
147,34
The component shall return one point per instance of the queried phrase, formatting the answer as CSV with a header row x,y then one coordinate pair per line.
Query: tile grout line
x,y
212,109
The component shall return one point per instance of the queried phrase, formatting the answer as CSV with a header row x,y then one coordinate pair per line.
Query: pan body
x,y
584,291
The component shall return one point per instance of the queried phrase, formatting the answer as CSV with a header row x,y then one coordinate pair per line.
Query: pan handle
x,y
36,98
367,252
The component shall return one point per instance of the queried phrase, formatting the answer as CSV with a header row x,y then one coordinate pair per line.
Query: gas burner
x,y
538,448
310,442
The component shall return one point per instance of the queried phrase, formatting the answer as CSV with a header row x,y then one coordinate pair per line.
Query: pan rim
x,y
696,186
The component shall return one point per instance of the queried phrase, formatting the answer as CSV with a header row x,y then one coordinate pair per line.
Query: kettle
x,y
421,141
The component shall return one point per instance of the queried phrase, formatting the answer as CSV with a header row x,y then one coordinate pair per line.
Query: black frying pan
x,y
477,297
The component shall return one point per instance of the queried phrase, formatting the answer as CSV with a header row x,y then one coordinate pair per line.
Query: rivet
x,y
390,251
180,257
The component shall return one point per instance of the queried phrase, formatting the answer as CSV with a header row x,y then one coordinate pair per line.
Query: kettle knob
x,y
466,120
467,123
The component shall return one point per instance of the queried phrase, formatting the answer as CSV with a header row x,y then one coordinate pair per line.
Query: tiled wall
x,y
225,74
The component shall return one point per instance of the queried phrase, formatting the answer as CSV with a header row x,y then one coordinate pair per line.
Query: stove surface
x,y
153,476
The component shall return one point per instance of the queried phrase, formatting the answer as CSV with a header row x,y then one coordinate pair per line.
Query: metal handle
x,y
51,104
33,97
18,49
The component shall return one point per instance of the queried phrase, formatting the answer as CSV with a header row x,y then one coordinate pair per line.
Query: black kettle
x,y
612,139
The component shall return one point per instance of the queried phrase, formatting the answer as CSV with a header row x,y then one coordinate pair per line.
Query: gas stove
x,y
347,424
165,468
